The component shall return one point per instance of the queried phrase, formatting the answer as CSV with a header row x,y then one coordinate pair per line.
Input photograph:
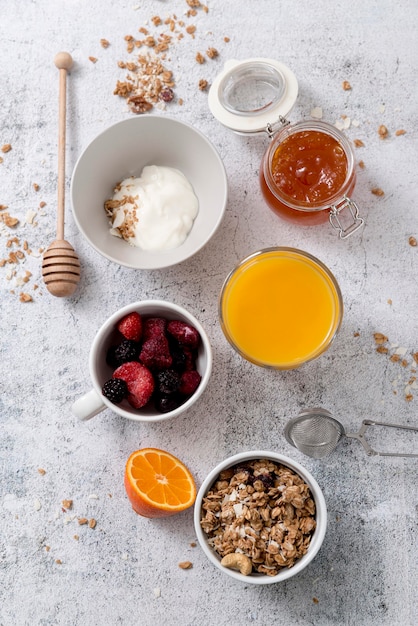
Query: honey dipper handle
x,y
63,62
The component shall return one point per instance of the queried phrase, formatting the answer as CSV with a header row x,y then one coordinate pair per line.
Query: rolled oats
x,y
263,510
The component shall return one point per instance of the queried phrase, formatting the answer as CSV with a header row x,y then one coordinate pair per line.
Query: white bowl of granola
x,y
148,229
260,517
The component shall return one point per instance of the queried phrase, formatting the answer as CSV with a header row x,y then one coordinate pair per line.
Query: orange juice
x,y
280,308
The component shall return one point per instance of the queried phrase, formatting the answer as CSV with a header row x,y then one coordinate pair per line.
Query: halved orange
x,y
158,484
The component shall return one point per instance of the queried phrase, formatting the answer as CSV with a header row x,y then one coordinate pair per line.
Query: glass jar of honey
x,y
307,174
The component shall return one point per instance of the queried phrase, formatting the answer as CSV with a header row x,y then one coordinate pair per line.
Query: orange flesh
x,y
309,166
157,483
281,309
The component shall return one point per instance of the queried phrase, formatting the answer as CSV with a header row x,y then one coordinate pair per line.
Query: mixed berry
x,y
154,362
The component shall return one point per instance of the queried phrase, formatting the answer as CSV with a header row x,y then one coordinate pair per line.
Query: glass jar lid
x,y
249,95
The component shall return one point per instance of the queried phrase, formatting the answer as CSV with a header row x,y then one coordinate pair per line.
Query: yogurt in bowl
x,y
124,150
155,211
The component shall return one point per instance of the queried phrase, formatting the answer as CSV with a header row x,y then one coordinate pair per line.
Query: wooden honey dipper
x,y
60,264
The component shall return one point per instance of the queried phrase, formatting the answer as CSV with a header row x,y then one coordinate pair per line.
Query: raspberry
x,y
154,327
168,381
126,351
139,381
185,334
189,359
189,382
155,353
115,390
131,326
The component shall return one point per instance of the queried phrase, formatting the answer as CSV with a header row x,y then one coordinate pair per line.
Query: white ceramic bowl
x,y
320,517
122,150
93,402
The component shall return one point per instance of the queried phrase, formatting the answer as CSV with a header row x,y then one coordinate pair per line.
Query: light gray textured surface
x,y
125,571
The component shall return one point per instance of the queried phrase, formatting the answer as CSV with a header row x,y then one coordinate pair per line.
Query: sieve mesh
x,y
314,435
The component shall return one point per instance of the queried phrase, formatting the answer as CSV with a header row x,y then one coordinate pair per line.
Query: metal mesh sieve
x,y
316,433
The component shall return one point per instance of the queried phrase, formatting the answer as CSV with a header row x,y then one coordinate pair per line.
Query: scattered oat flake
x,y
361,165
47,548
212,53
203,84
93,59
37,505
58,561
104,43
412,242
36,186
6,147
41,471
92,523
82,521
383,131
67,504
30,216
193,544
358,143
315,600
377,191
25,297
200,58
382,350
185,564
400,132
346,85
76,537
380,338
390,301
316,113
382,108
93,496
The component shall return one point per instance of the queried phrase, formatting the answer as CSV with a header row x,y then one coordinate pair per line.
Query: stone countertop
x,y
125,570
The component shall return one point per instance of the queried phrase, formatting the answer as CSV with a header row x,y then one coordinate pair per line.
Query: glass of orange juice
x,y
280,308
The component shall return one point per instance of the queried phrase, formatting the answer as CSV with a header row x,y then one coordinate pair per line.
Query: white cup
x,y
93,402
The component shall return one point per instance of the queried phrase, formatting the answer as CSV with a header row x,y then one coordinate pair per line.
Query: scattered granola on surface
x,y
382,131
399,355
377,191
261,509
148,76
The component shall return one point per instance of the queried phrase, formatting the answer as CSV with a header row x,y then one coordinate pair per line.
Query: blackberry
x,y
178,355
115,390
126,351
165,404
168,381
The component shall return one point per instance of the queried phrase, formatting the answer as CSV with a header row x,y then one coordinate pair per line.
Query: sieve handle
x,y
360,436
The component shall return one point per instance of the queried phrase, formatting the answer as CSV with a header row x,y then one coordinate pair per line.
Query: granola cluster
x,y
261,509
148,81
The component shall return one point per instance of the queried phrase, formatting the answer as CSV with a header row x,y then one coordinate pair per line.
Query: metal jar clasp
x,y
356,221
